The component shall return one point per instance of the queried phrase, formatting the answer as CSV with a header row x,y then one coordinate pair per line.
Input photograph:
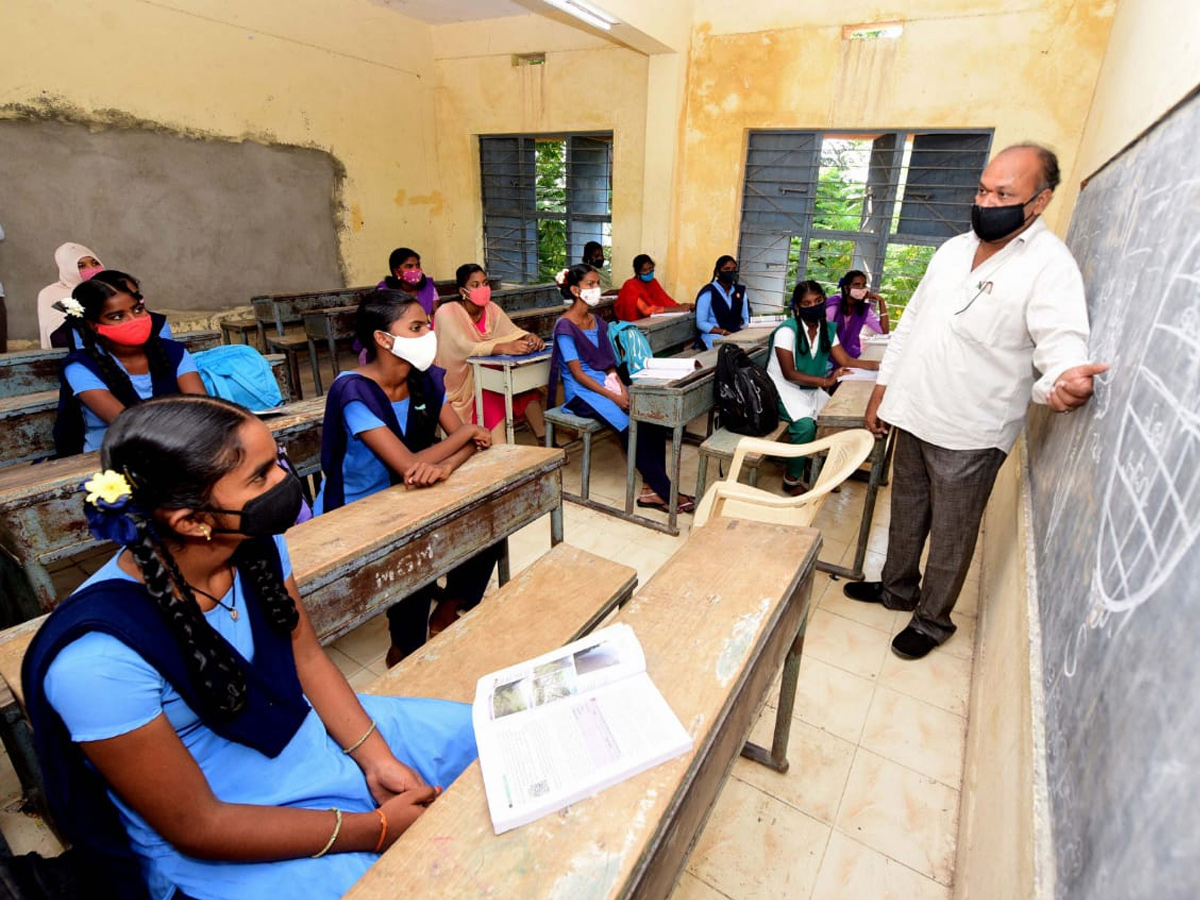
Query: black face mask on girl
x,y
727,277
273,511
811,314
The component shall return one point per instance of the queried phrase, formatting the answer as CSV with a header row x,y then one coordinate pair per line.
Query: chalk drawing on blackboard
x,y
1151,501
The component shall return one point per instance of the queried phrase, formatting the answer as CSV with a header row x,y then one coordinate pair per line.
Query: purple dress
x,y
850,327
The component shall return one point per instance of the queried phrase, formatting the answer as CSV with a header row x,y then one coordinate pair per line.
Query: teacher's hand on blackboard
x,y
1074,387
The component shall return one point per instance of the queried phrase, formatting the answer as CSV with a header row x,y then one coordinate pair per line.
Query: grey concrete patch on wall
x,y
203,223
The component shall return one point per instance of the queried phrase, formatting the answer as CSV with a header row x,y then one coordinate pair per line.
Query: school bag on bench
x,y
746,399
630,347
239,373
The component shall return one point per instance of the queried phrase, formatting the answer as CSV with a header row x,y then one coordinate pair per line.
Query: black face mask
x,y
272,512
727,278
596,263
811,314
994,223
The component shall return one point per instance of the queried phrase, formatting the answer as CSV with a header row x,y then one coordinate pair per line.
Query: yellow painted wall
x,y
587,84
357,84
1027,72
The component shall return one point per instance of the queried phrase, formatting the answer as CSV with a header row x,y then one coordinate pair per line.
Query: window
x,y
544,197
818,204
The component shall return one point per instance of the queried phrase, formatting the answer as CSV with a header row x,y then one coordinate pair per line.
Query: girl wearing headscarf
x,y
76,263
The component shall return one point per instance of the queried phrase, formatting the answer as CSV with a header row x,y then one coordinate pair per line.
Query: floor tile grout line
x,y
848,836
910,769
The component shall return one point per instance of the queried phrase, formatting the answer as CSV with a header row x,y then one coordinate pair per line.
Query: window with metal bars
x,y
818,204
544,198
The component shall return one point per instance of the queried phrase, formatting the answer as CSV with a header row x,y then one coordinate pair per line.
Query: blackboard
x,y
1116,515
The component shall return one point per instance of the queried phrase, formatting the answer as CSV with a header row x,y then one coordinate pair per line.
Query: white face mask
x,y
420,351
858,293
590,296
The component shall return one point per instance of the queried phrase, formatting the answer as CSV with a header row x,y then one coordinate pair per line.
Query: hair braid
x,y
156,355
213,666
113,376
278,604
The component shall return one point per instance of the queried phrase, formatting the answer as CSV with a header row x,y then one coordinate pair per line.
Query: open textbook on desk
x,y
559,728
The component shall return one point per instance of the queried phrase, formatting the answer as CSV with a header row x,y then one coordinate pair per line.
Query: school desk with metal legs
x,y
508,375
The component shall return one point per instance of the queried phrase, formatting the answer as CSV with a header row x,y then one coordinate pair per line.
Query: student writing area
x,y
598,449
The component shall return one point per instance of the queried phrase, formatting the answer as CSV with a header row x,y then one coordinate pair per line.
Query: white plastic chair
x,y
847,451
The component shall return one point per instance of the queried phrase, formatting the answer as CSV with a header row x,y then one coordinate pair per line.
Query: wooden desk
x,y
41,511
847,408
332,324
747,338
508,375
668,332
671,404
715,636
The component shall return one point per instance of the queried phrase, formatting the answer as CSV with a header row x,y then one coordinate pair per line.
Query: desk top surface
x,y
510,361
702,624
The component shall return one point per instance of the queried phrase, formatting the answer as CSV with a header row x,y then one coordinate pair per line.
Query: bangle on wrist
x,y
382,829
362,740
337,828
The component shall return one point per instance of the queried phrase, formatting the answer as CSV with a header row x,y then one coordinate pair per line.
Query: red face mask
x,y
130,333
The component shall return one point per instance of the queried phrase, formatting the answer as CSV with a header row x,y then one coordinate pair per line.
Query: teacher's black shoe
x,y
864,591
912,644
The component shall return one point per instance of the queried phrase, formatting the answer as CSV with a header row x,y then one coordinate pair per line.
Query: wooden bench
x,y
721,445
29,418
41,518
585,428
716,637
241,330
585,589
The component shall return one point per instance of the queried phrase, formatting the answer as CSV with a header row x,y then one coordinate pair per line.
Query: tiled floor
x,y
869,807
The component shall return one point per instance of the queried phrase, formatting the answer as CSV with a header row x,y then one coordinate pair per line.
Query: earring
x,y
207,532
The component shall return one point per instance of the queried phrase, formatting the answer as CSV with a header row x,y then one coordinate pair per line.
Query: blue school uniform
x,y
718,307
572,388
100,687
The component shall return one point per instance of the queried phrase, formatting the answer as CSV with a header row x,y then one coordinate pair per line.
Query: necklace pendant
x,y
233,614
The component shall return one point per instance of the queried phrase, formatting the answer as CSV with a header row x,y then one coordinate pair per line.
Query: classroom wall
x,y
1028,72
586,84
356,84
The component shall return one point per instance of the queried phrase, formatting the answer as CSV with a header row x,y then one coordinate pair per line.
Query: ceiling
x,y
443,12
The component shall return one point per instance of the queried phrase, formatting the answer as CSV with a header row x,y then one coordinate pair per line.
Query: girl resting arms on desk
x,y
475,326
584,358
123,360
380,429
798,358
642,296
854,307
721,305
196,740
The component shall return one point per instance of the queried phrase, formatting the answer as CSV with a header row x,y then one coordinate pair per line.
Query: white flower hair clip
x,y
71,307
561,278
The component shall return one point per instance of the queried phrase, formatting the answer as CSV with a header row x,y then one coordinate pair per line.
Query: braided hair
x,y
798,292
377,311
173,451
92,295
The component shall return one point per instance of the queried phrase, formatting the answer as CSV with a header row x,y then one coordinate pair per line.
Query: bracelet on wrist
x,y
337,828
382,829
362,740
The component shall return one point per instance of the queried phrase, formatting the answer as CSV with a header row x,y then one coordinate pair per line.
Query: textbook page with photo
x,y
559,728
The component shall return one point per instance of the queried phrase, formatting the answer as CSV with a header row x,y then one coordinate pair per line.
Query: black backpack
x,y
746,399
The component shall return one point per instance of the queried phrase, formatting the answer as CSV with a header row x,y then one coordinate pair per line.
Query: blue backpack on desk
x,y
629,346
239,373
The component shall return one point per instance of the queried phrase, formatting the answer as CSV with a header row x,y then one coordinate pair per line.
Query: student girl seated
x,y
408,276
642,295
475,326
584,358
721,305
797,361
76,264
123,361
380,430
853,307
194,736
593,255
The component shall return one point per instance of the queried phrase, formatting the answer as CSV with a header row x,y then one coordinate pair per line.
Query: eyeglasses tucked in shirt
x,y
985,287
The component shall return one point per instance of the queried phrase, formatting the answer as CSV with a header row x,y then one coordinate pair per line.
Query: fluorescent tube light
x,y
585,12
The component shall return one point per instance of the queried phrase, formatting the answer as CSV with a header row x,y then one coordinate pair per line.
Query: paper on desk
x,y
877,339
859,375
670,315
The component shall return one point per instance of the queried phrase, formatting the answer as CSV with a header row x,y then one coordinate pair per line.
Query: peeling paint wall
x,y
1028,72
586,84
354,82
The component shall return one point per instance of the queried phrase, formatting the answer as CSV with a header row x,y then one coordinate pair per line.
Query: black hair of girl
x,y
377,310
640,260
464,272
399,256
798,292
573,278
591,248
844,289
92,295
174,450
721,260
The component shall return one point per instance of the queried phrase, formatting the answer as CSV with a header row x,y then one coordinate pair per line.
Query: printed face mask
x,y
480,295
272,512
647,276
811,314
419,351
858,293
412,276
130,333
590,296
